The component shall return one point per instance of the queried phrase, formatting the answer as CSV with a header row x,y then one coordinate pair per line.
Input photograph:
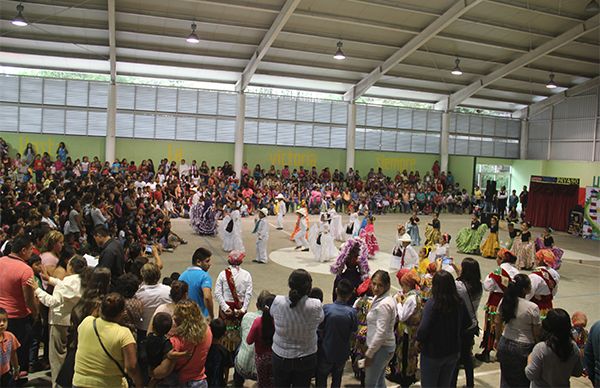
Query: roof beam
x,y
457,10
459,96
283,16
536,108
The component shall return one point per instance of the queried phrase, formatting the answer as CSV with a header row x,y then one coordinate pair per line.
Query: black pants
x,y
294,372
22,328
466,360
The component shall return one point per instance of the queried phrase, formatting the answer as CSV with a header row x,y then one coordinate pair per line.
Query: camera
x,y
148,249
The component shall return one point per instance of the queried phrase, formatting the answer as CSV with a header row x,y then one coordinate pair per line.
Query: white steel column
x,y
111,111
351,136
444,139
240,120
524,142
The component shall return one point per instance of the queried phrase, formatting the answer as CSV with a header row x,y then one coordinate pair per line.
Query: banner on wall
x,y
591,218
555,180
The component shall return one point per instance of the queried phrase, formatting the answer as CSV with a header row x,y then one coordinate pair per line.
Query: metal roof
x,y
395,48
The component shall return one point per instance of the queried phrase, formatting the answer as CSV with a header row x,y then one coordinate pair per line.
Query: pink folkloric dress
x,y
368,235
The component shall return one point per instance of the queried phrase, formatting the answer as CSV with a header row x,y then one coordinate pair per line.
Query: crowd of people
x,y
81,245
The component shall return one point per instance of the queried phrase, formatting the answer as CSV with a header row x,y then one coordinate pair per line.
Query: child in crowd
x,y
158,346
578,331
339,325
316,293
9,363
412,228
261,335
219,359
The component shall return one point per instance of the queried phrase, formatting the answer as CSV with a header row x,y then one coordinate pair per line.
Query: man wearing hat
x,y
301,231
281,210
233,292
404,256
261,228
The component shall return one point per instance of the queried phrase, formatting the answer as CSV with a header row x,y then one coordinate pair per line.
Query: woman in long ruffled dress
x,y
546,241
353,226
203,218
491,245
368,235
469,239
433,234
524,248
359,342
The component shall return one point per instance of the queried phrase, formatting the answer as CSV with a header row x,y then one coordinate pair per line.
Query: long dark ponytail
x,y
268,327
516,289
300,283
558,326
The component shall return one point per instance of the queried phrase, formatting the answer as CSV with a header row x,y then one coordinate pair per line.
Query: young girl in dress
x,y
433,234
491,245
368,235
412,228
546,241
524,248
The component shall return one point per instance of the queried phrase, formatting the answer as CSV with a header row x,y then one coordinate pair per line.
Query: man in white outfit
x,y
261,228
404,256
281,210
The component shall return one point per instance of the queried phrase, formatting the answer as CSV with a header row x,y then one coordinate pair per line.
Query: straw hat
x,y
405,238
264,211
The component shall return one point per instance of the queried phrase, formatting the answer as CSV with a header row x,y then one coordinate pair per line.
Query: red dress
x,y
368,235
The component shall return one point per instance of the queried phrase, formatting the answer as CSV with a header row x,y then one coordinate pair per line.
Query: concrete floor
x,y
579,288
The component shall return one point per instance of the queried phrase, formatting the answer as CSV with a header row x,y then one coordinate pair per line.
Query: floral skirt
x,y
525,252
468,240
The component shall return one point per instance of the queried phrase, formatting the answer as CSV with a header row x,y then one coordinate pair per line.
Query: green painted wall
x,y
77,145
139,149
392,162
585,171
462,167
294,157
522,171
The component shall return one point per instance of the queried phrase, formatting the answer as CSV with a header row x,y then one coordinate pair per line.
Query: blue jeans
x,y
196,384
325,368
375,373
438,372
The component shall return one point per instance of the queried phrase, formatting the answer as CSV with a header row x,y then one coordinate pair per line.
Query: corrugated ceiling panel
x,y
225,131
390,117
321,135
388,140
124,124
227,104
539,129
537,150
165,127
207,102
374,114
183,127
434,121
77,93
403,141
572,151
286,110
187,102
31,90
418,142
285,133
267,131
97,123
30,120
405,119
304,135
143,126
9,88
339,113
206,129
53,121
125,96
55,91
250,130
338,137
98,95
574,129
166,100
252,105
145,98
76,122
322,112
433,143
305,110
10,118
419,119
499,149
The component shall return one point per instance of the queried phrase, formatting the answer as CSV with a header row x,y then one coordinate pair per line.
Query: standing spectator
x,y
296,318
513,201
339,325
51,251
381,342
523,198
522,323
444,323
152,294
106,351
192,335
591,358
502,197
17,298
9,363
62,152
199,281
233,291
245,366
74,226
29,154
178,292
469,289
261,337
219,359
64,297
553,361
112,255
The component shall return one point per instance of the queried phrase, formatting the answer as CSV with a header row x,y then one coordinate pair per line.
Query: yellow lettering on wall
x,y
396,164
293,159
39,147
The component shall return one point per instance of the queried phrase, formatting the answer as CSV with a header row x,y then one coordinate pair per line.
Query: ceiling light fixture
x,y
193,37
592,6
339,54
551,84
19,20
457,70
